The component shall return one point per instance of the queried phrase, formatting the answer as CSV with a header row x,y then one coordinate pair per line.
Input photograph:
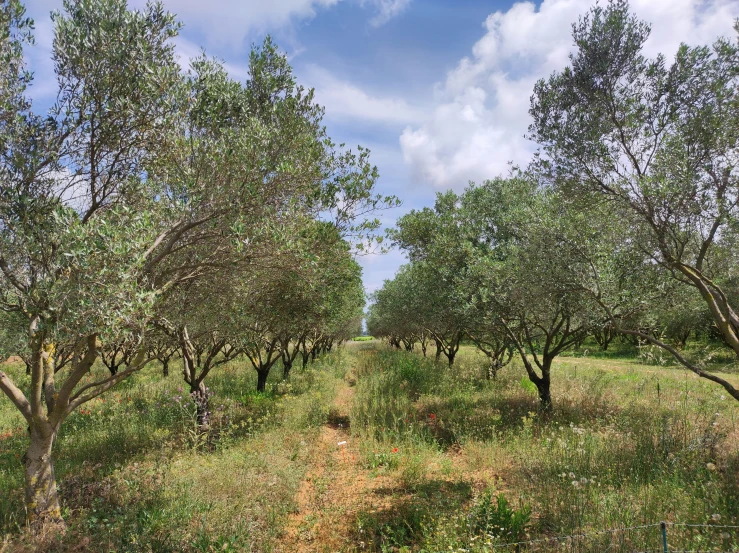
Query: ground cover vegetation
x,y
474,462
558,357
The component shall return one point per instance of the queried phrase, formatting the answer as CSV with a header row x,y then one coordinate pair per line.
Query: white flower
x,y
572,475
583,480
710,466
716,517
575,484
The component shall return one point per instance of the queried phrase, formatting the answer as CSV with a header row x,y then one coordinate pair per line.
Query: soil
x,y
335,489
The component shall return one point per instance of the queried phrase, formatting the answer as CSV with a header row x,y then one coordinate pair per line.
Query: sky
x,y
438,90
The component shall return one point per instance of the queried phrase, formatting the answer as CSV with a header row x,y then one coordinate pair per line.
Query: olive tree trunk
x,y
42,497
202,406
262,380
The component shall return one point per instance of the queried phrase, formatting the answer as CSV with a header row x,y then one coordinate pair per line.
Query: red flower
x,y
432,416
395,450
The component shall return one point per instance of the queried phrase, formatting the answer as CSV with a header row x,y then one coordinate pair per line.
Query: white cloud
x,y
480,116
228,22
344,100
386,10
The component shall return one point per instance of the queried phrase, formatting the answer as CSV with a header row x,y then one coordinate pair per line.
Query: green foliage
x,y
671,144
493,516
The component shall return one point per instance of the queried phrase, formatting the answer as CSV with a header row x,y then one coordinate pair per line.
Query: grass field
x,y
379,450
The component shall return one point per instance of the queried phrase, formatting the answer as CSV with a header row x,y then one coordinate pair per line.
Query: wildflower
x,y
583,480
710,466
572,475
395,450
575,484
432,416
716,517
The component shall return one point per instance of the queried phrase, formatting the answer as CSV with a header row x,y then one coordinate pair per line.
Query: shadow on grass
x,y
91,447
108,523
403,523
485,417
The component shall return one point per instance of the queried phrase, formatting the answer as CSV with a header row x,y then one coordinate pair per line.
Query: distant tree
x,y
523,275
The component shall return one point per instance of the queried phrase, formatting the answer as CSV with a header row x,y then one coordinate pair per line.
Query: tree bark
x,y
165,367
545,394
262,380
42,498
286,366
543,384
202,406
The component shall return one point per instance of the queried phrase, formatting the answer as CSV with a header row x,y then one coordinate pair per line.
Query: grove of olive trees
x,y
156,209
165,217
623,225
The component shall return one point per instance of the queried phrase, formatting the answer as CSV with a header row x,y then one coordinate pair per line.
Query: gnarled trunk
x,y
262,380
287,364
202,408
545,394
42,497
165,367
543,382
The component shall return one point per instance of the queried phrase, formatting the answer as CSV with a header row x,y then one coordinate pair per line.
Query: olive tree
x,y
522,278
657,140
73,231
439,246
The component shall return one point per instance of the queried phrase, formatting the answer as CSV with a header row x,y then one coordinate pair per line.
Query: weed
x,y
494,517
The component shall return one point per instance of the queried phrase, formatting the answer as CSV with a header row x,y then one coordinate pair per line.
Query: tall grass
x,y
137,475
617,451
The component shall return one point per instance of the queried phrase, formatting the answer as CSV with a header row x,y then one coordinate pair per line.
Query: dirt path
x,y
335,489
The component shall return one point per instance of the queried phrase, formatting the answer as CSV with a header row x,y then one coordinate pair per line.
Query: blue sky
x,y
437,89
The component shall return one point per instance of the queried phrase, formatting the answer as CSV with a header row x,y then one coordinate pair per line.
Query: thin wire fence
x,y
648,538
